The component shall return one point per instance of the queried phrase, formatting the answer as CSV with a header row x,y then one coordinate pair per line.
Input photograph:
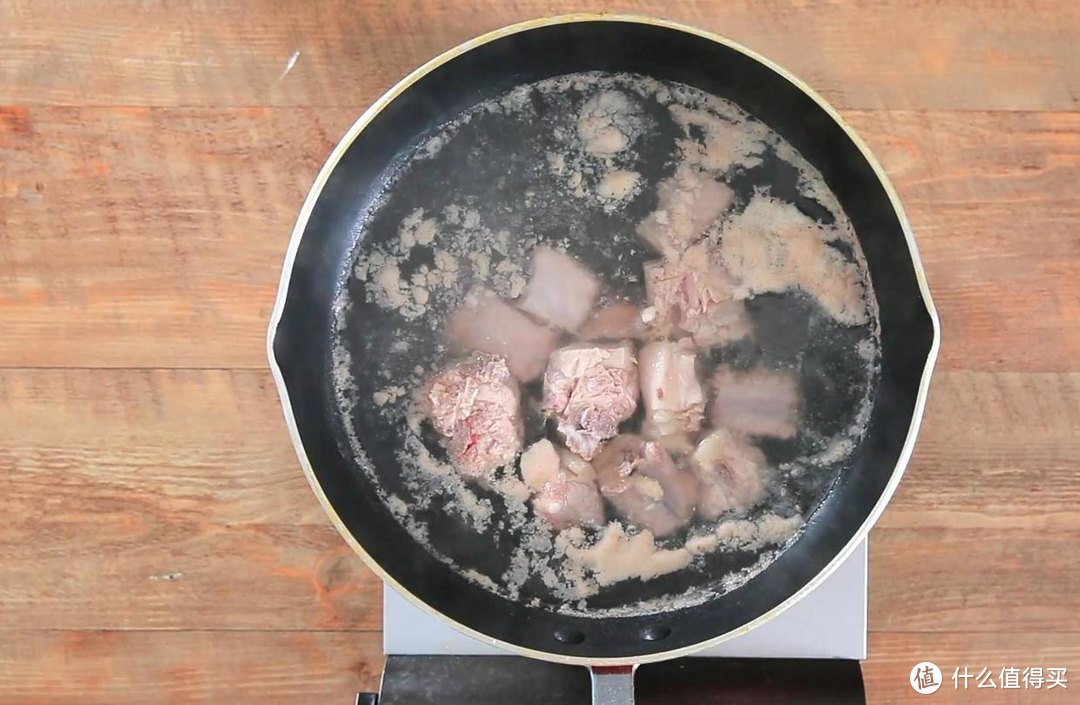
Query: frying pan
x,y
344,216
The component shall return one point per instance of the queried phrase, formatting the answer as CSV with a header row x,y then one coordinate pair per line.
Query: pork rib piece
x,y
688,203
564,486
694,294
644,485
670,389
729,469
561,291
758,403
475,404
488,324
591,389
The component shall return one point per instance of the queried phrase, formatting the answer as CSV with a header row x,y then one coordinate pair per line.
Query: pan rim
x,y
404,84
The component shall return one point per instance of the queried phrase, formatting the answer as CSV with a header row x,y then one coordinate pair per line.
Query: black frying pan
x,y
350,197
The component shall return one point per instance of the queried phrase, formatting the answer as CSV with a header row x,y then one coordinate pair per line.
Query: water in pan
x,y
582,163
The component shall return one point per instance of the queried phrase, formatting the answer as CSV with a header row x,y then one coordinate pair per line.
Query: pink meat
x,y
644,485
540,464
619,320
488,324
758,403
693,294
567,501
561,291
688,203
564,486
475,403
670,389
729,469
591,389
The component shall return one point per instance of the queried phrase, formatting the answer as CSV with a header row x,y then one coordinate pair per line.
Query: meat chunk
x,y
618,320
488,324
539,464
693,294
561,291
670,389
729,469
758,403
568,501
475,404
688,203
643,483
564,486
590,389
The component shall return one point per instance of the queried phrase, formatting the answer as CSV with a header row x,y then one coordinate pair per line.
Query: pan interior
x,y
577,163
351,193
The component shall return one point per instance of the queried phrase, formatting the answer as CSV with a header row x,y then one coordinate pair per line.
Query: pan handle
x,y
613,685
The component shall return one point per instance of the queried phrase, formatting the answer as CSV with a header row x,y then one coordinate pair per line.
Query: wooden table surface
x,y
158,542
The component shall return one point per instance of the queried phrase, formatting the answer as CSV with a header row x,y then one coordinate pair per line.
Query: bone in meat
x,y
475,403
564,486
758,403
670,389
488,324
590,389
729,469
560,291
567,501
644,485
694,294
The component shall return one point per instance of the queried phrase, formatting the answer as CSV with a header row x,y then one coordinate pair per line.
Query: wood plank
x,y
132,237
894,654
164,500
933,55
189,477
996,451
120,667
213,445
129,232
952,167
141,572
981,580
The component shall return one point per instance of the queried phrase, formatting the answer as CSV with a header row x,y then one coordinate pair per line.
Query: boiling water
x,y
579,163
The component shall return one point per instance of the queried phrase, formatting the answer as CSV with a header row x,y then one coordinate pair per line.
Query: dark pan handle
x,y
613,685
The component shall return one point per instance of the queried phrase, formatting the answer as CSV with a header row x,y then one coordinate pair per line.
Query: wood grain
x,y
129,667
899,55
159,542
189,478
996,451
142,231
945,580
154,237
